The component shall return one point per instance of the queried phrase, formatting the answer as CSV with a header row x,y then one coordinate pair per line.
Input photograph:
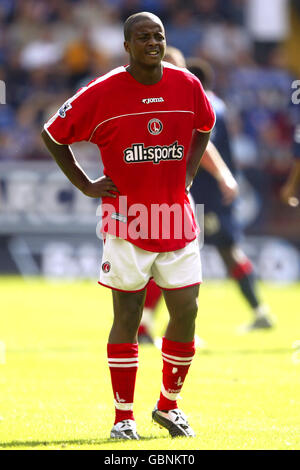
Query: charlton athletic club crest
x,y
106,267
155,126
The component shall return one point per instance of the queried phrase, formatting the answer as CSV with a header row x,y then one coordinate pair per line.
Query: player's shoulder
x,y
99,89
180,73
109,78
100,86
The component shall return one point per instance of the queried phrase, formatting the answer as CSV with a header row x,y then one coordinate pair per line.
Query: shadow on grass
x,y
64,444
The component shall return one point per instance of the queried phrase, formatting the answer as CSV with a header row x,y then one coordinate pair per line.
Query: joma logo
x,y
152,100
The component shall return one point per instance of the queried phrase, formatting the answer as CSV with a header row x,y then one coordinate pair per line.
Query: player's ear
x,y
126,46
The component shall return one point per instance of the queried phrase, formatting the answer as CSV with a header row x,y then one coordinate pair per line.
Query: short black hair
x,y
133,19
203,71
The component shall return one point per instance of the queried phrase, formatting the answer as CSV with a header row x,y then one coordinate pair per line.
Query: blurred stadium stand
x,y
50,48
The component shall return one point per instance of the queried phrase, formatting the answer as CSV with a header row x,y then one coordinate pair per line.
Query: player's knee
x,y
188,313
192,309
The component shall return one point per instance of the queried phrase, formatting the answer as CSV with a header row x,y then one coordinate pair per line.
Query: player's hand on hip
x,y
288,195
101,187
229,189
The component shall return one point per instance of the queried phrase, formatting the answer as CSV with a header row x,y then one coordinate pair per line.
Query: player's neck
x,y
146,76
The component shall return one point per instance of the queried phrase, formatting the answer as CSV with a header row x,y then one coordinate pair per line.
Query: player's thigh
x,y
182,304
231,254
128,306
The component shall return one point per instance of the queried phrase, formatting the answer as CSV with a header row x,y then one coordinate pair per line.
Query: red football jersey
x,y
143,133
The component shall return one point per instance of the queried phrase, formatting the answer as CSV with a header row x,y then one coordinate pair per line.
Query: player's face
x,y
147,43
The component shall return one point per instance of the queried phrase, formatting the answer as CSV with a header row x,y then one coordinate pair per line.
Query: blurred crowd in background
x,y
50,48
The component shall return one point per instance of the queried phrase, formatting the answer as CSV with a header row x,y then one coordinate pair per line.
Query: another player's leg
x,y
122,352
241,270
178,350
153,296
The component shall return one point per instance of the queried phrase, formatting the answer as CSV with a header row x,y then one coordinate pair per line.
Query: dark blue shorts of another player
x,y
220,227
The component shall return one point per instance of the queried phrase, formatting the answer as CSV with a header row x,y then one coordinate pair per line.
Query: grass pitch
x,y
242,391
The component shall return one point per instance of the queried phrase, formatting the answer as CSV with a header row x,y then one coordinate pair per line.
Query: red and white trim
x,y
170,396
181,287
123,362
138,114
177,360
123,290
115,71
123,406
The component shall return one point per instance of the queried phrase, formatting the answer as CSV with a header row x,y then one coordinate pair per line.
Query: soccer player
x,y
210,188
220,226
152,122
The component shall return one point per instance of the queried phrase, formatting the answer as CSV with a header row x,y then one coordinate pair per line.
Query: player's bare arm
x,y
66,160
289,192
215,165
196,152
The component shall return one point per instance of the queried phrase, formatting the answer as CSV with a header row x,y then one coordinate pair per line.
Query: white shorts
x,y
126,267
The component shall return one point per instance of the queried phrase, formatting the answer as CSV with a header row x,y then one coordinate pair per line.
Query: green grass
x,y
242,392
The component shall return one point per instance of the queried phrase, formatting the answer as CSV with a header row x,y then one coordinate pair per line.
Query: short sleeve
x,y
75,119
204,113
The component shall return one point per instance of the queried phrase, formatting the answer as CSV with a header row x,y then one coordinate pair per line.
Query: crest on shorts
x,y
155,126
63,109
106,267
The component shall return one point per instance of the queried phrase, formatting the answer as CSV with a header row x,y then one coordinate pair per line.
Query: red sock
x,y
153,295
143,330
123,364
177,358
241,269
